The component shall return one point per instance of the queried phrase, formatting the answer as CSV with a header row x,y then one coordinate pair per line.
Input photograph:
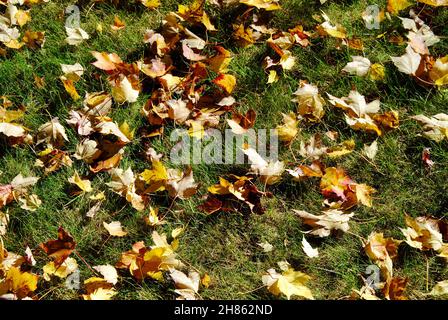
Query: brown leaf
x,y
59,249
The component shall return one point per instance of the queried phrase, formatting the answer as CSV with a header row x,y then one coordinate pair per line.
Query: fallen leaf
x,y
59,249
83,184
266,246
115,229
289,282
108,272
75,36
441,288
309,251
324,224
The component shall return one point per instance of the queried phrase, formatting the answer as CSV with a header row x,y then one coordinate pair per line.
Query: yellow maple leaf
x,y
151,4
155,177
70,88
289,129
226,82
83,184
289,282
377,72
268,5
395,6
66,268
20,283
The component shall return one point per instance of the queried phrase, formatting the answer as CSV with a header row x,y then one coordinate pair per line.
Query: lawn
x,y
225,245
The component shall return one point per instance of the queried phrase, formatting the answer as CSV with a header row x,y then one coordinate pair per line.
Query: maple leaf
x,y
97,104
75,36
124,91
118,24
287,131
156,177
178,110
145,262
394,289
408,63
33,39
72,72
270,172
439,72
360,66
266,246
195,14
83,184
80,122
441,288
435,127
98,289
325,223
424,233
289,282
395,6
123,183
225,81
328,28
70,88
107,163
241,123
109,127
59,249
242,189
316,169
20,184
268,5
309,251
365,293
313,149
106,61
108,272
356,104
52,132
220,62
115,229
341,149
382,251
371,151
156,41
335,183
180,184
62,271
310,103
21,284
190,54
151,4
14,132
377,72
243,36
16,190
361,115
342,192
152,219
187,286
87,151
30,202
53,159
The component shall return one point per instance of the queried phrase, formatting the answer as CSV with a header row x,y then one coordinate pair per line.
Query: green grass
x,y
225,245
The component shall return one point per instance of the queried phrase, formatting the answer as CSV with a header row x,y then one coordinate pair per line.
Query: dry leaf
x,y
289,282
115,229
309,251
